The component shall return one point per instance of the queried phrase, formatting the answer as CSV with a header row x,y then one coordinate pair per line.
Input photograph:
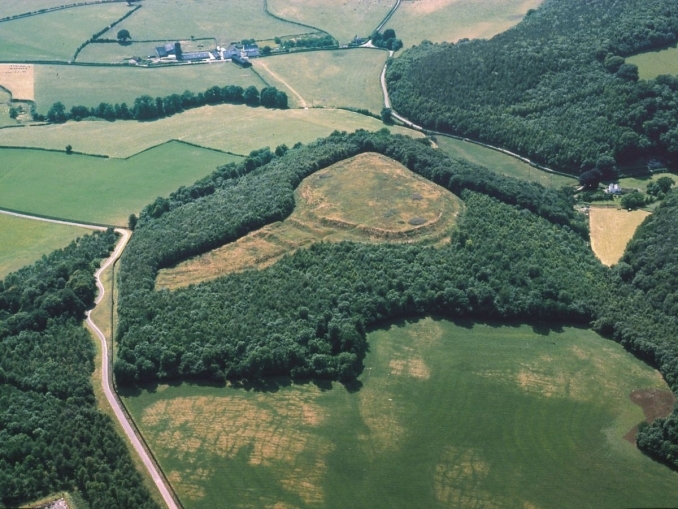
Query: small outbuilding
x,y
165,50
251,50
241,61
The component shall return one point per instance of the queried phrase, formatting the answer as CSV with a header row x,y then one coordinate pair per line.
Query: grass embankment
x,y
343,20
90,86
654,63
448,416
451,20
95,189
237,129
329,78
234,21
502,163
368,198
56,35
611,231
24,241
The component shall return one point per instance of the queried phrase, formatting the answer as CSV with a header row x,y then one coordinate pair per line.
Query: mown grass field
x,y
653,63
451,20
501,163
24,241
55,35
13,7
228,22
344,20
95,189
89,86
238,129
611,231
368,198
329,78
447,416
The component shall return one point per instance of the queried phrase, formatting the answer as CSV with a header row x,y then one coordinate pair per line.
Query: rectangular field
x,y
19,80
94,189
237,129
343,20
502,163
451,20
653,63
611,231
55,35
24,241
446,416
328,78
89,86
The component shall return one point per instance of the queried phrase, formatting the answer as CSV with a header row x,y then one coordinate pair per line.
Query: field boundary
x,y
58,8
103,31
388,16
279,18
174,140
58,220
23,147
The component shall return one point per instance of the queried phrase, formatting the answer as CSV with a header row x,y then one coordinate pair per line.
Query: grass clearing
x,y
237,129
24,241
19,80
451,20
89,86
501,163
448,416
654,63
368,198
611,231
329,78
343,20
642,182
226,21
95,189
55,35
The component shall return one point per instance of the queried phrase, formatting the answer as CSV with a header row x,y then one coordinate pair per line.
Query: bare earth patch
x,y
655,403
19,79
611,231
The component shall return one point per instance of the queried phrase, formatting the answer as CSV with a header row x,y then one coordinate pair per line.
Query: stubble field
x,y
611,231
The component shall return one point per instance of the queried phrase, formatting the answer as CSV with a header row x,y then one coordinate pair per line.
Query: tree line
x,y
52,436
146,107
555,88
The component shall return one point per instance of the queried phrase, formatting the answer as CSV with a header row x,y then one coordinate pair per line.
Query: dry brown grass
x,y
611,231
368,198
458,477
19,80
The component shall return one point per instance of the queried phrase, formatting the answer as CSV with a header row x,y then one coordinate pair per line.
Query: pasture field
x,y
94,189
368,198
642,182
55,35
328,78
502,163
469,415
89,86
451,20
24,241
237,129
18,79
14,7
654,63
343,20
611,231
226,21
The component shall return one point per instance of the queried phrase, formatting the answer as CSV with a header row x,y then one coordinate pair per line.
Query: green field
x,y
23,241
654,63
344,20
642,182
95,189
238,129
328,78
14,7
226,21
55,35
502,163
451,20
90,86
447,416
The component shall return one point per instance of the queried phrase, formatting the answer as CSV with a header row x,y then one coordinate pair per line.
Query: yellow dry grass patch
x,y
19,79
368,198
611,231
458,477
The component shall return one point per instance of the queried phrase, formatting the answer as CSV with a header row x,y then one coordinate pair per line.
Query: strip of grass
x,y
24,241
501,163
611,231
56,35
654,63
99,190
237,129
451,20
89,86
330,78
227,22
344,20
447,416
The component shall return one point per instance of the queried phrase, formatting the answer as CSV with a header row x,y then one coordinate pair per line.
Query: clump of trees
x,y
387,40
146,107
321,41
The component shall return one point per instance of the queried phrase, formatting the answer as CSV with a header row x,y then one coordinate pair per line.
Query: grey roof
x,y
195,55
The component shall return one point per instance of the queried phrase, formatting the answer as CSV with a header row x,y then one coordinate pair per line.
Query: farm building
x,y
165,51
251,50
195,56
613,189
229,52
241,61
